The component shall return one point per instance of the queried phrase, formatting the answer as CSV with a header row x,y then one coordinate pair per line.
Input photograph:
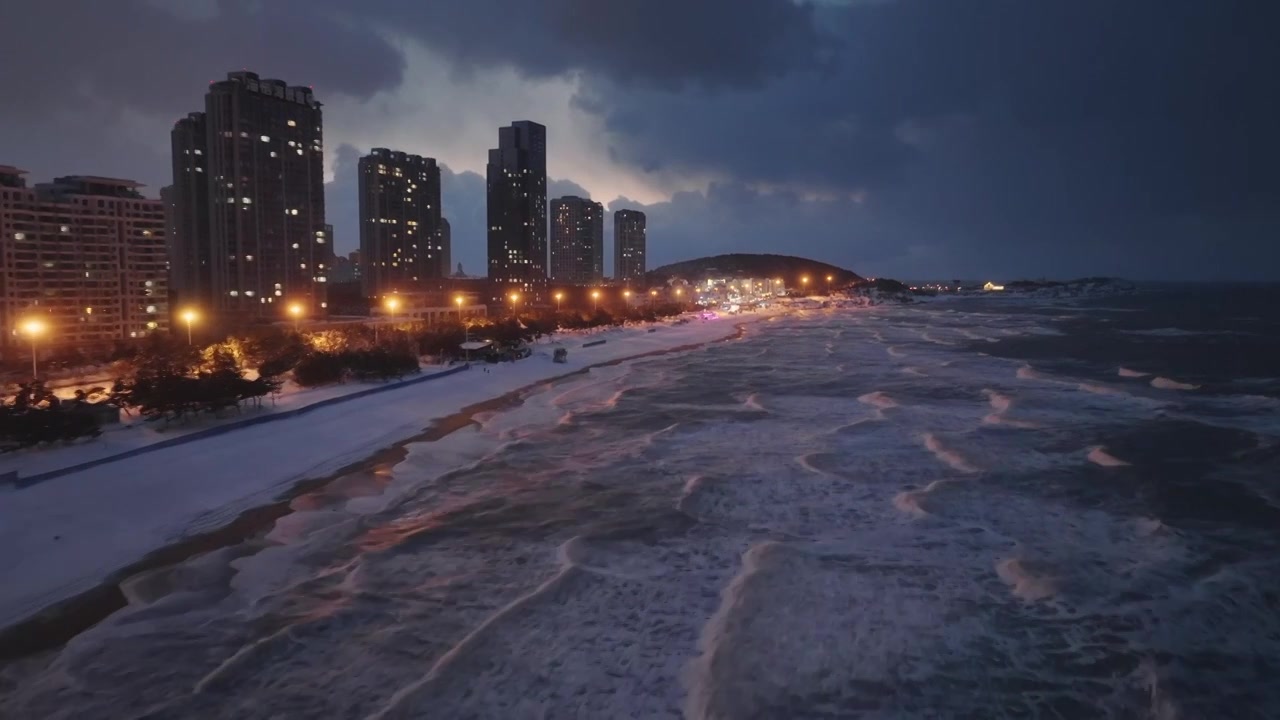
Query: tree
x,y
34,415
319,368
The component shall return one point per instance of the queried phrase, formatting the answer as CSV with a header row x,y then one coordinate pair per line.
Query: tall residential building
x,y
628,246
190,254
577,240
264,199
446,246
84,254
400,243
517,211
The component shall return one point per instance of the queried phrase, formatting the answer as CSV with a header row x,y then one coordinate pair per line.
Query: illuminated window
x,y
19,236
264,138
293,123
151,308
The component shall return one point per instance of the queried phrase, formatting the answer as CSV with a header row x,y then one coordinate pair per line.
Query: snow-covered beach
x,y
64,536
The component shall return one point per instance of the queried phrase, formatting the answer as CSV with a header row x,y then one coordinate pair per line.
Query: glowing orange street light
x,y
829,278
804,283
458,300
295,310
559,297
189,316
515,298
595,297
626,296
392,303
33,329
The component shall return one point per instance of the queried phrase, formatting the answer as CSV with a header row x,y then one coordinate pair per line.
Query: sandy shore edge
x,y
56,624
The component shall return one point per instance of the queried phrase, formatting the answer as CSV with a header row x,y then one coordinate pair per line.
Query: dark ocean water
x,y
979,508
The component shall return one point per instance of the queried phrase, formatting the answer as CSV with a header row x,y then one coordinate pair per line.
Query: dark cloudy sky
x,y
911,138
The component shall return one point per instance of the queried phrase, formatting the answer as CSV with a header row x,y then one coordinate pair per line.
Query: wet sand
x,y
59,623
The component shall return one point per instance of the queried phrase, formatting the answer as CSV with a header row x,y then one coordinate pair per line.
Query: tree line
x,y
162,378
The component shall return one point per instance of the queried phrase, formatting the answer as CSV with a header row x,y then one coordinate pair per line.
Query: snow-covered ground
x,y
134,432
64,536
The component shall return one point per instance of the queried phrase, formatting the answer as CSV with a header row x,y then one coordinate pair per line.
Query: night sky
x,y
910,138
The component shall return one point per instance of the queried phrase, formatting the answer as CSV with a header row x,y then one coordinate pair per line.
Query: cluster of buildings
x,y
240,236
732,292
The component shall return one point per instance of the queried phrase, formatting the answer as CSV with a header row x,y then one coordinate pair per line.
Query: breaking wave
x,y
1024,583
1099,456
1164,383
949,457
878,399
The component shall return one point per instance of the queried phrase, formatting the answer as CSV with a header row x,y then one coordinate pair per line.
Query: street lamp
x,y
653,297
392,304
188,317
559,297
295,310
34,328
626,299
458,301
595,297
515,298
829,284
804,283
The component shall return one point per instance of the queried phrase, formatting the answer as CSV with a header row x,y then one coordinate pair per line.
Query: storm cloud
x,y
918,138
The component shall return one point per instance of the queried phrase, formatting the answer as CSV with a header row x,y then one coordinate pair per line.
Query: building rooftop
x,y
271,87
99,180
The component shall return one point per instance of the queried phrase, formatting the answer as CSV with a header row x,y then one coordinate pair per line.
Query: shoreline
x,y
58,623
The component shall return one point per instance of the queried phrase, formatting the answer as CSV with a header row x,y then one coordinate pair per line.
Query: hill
x,y
742,265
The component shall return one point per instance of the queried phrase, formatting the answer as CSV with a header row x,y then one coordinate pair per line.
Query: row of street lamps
x,y
35,328
804,282
595,298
